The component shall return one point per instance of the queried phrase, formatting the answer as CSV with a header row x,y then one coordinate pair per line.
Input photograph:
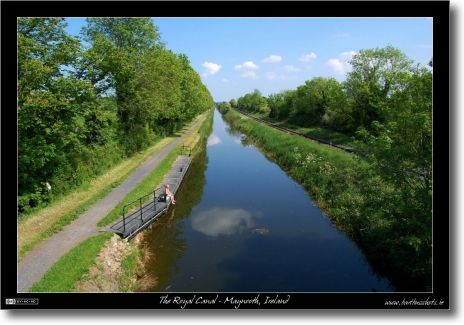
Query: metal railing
x,y
140,208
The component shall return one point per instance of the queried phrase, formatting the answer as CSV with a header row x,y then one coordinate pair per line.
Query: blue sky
x,y
235,56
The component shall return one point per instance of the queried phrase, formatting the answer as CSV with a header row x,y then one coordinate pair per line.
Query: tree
x,y
318,102
196,98
376,75
400,149
281,104
159,88
257,101
52,104
118,49
252,102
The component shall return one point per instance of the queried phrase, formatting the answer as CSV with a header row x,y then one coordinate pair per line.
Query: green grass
x,y
316,132
129,265
72,266
68,218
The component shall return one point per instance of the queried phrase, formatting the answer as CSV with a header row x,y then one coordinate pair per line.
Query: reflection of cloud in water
x,y
220,221
213,139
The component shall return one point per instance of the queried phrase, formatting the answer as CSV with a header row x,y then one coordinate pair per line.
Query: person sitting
x,y
169,193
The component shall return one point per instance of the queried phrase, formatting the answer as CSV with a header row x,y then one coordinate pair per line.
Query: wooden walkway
x,y
137,219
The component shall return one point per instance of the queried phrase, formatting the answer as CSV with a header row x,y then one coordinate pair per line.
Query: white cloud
x,y
220,221
347,56
290,68
336,65
341,65
213,139
211,68
308,57
271,75
246,65
272,59
225,80
250,74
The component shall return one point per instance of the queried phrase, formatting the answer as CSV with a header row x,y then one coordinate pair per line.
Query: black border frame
x,y
444,229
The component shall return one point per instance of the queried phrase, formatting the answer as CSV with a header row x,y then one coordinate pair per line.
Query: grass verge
x,y
70,268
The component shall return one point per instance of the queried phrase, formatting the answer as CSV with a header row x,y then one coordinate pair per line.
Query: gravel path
x,y
36,262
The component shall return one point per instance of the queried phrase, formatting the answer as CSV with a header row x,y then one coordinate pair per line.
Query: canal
x,y
241,224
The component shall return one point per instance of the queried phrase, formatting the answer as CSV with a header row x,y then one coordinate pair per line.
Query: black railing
x,y
140,208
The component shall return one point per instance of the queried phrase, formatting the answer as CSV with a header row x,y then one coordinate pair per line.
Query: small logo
x,y
22,301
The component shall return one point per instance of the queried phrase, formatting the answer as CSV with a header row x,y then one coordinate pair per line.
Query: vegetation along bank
x,y
382,198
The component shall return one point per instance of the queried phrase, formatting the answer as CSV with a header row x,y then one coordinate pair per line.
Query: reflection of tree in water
x,y
164,237
234,130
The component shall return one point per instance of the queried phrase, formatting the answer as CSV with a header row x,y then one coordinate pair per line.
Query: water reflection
x,y
213,139
165,237
222,221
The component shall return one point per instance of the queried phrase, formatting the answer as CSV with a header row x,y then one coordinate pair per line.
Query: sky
x,y
235,56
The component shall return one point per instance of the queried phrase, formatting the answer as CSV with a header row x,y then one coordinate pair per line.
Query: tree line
x,y
87,102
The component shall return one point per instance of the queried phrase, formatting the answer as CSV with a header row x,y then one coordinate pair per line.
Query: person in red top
x,y
169,193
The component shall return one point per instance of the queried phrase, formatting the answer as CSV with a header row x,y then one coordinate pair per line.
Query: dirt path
x,y
36,262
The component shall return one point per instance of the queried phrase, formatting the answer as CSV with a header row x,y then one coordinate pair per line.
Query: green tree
x,y
257,101
160,90
118,50
252,102
376,75
196,98
400,149
52,105
320,101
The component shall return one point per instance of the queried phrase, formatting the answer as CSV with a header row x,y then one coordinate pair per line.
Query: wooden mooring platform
x,y
138,218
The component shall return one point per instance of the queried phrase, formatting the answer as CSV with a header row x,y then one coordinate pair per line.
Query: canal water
x,y
241,224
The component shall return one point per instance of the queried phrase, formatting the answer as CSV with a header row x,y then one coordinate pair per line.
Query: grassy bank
x,y
81,257
355,199
316,132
